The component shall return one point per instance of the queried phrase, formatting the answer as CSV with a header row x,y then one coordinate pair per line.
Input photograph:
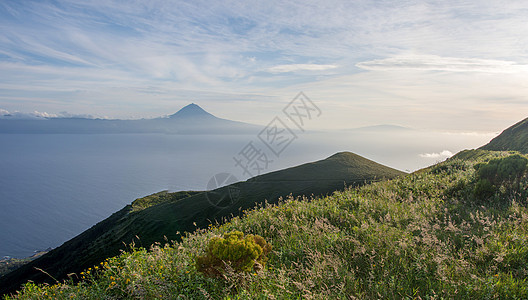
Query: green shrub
x,y
500,174
484,188
502,169
233,250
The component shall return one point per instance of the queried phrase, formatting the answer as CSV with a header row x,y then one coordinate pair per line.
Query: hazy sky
x,y
445,65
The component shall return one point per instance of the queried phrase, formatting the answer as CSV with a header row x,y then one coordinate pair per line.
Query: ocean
x,y
54,186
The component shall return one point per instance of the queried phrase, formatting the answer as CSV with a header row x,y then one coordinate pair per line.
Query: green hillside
x,y
514,138
166,216
434,234
9,264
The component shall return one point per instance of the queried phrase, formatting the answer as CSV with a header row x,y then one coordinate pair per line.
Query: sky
x,y
438,65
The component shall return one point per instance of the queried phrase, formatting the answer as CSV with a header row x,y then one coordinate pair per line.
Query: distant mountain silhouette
x,y
192,111
191,119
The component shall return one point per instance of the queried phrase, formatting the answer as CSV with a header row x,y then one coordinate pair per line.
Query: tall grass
x,y
426,235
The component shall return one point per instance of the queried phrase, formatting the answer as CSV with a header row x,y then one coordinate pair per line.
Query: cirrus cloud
x,y
300,67
439,63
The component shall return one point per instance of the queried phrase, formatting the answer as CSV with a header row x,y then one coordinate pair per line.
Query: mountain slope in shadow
x,y
166,216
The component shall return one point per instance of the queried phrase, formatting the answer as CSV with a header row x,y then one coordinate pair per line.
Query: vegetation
x,y
502,174
233,252
9,264
514,138
428,235
161,197
163,216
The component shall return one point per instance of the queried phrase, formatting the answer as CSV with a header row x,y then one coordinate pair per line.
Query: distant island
x,y
191,119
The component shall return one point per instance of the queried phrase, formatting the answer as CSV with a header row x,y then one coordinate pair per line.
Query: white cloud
x,y
300,67
438,63
39,114
65,114
5,114
484,102
443,154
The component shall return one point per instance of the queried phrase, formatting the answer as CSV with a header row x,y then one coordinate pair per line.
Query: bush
x,y
502,169
484,188
233,251
504,173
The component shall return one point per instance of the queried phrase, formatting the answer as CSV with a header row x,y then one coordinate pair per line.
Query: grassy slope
x,y
10,264
514,138
161,216
102,240
424,235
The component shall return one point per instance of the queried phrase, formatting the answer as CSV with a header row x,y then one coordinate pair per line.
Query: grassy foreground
x,y
161,216
432,234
